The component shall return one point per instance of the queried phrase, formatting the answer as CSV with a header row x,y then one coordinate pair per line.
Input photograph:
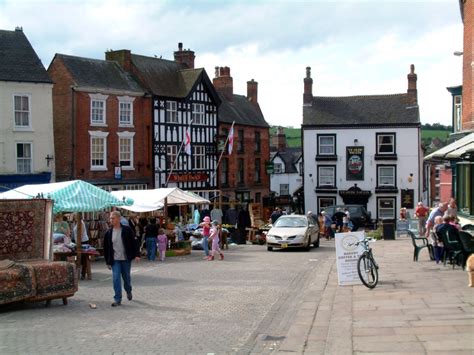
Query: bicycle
x,y
367,268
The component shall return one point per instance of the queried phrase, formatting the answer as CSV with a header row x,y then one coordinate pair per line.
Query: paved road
x,y
244,304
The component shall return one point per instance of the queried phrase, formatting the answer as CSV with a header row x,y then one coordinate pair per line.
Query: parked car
x,y
360,217
293,231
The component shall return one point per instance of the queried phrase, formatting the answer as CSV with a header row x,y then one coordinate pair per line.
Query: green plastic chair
x,y
417,246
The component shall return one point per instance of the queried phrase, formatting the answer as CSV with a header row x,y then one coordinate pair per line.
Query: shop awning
x,y
69,196
151,200
455,150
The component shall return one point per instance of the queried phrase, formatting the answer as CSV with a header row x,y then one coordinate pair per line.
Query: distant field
x,y
293,135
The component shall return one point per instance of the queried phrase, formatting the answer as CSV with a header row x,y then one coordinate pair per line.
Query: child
x,y
215,241
206,229
162,243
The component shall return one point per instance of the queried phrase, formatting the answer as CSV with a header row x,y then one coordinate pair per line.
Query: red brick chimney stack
x,y
123,57
184,56
252,91
308,88
223,82
412,91
279,140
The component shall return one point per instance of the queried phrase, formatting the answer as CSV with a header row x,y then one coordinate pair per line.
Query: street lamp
x,y
458,53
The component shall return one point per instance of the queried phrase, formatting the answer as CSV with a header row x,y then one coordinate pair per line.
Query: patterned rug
x,y
17,283
24,227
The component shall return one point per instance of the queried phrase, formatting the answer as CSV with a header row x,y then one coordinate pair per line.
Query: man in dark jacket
x,y
120,249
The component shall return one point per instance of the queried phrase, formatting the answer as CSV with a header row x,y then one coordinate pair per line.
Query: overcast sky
x,y
353,47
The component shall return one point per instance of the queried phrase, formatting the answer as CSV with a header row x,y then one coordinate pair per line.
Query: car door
x,y
312,230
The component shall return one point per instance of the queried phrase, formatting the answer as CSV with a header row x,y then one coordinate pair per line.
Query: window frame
x,y
30,144
333,168
287,190
322,198
457,113
225,172
103,136
258,171
240,141
384,166
125,100
198,116
199,157
129,136
378,135
240,171
386,198
279,170
171,154
170,110
102,99
22,127
258,142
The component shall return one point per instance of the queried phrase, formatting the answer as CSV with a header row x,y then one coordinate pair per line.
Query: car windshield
x,y
293,222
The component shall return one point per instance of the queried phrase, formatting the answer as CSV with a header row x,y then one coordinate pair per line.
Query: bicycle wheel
x,y
367,270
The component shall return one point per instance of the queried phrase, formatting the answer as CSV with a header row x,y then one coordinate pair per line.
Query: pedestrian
x,y
162,243
151,233
452,208
120,249
214,236
337,219
327,223
438,211
275,215
345,220
421,212
206,231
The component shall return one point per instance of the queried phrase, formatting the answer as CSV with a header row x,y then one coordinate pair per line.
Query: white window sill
x,y
98,168
94,124
23,129
129,168
126,125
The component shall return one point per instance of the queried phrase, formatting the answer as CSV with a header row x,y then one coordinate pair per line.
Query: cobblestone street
x,y
186,305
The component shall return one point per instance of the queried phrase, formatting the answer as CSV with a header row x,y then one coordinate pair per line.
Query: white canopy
x,y
151,200
454,150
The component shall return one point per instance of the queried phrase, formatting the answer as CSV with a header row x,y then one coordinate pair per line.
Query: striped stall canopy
x,y
69,196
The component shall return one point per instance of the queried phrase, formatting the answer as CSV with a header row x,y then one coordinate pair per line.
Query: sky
x,y
354,47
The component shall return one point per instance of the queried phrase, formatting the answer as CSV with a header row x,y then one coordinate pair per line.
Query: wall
x,y
40,134
294,180
468,68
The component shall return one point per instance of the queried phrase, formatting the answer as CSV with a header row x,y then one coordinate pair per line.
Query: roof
x,y
99,74
290,157
242,111
168,78
18,60
376,110
455,150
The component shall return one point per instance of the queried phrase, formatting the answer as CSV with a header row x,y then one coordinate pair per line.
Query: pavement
x,y
417,308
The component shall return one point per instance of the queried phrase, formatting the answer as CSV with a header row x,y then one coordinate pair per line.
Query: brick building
x,y
242,175
102,124
467,9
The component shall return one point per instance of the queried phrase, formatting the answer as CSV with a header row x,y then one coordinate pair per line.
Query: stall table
x,y
85,260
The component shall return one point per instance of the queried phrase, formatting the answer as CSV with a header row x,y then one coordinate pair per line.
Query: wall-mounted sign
x,y
118,173
407,198
355,163
189,177
269,167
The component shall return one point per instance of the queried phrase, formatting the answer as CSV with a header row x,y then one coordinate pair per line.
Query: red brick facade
x,y
72,124
468,67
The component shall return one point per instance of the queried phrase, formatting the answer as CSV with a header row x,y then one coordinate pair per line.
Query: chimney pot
x,y
180,46
308,88
185,57
412,91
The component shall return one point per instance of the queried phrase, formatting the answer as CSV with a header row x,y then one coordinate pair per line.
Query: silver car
x,y
293,231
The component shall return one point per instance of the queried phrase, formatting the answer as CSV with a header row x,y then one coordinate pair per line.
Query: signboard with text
x,y
354,163
407,198
347,254
188,177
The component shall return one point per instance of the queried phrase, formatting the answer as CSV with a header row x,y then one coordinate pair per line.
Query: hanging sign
x,y
347,255
355,163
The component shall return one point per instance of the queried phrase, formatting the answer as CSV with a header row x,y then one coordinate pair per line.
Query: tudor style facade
x,y
362,150
101,124
242,175
26,114
184,100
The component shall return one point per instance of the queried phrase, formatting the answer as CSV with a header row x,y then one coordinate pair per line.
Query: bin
x,y
388,229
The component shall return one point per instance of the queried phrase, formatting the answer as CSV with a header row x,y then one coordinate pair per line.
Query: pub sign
x,y
407,198
354,163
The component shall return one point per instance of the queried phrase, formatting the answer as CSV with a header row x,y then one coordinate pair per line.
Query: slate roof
x,y
361,110
99,74
241,111
290,156
18,60
165,77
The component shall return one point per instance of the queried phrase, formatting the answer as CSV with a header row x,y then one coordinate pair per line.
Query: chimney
x,y
412,93
123,57
252,91
185,56
279,140
223,82
308,88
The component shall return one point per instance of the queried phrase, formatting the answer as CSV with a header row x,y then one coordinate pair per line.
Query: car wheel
x,y
308,246
269,248
316,243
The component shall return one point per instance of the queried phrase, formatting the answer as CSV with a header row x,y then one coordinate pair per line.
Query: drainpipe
x,y
73,134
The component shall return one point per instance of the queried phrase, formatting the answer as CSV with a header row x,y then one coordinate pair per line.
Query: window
x,y
22,111
199,154
240,141
240,171
300,168
172,113
385,143
98,148
171,153
284,189
257,177
125,152
277,168
326,144
257,142
198,113
386,175
97,111
258,197
125,111
326,176
386,207
324,202
23,158
225,171
458,113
